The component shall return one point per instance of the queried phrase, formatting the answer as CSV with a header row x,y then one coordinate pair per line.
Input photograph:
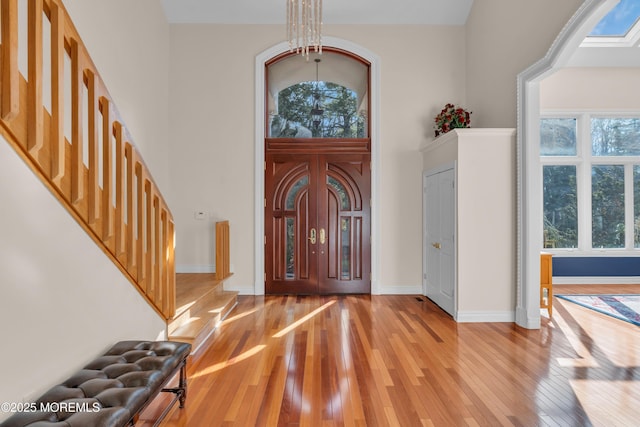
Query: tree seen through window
x,y
340,118
560,206
594,158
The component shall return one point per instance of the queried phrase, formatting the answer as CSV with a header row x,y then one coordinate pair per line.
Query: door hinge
x,y
265,202
265,239
265,277
265,165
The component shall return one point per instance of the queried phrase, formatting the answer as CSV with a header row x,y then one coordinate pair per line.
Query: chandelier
x,y
304,26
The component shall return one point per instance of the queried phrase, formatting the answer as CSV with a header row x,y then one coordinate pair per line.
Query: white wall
x,y
62,302
207,139
128,42
212,104
503,39
487,224
591,89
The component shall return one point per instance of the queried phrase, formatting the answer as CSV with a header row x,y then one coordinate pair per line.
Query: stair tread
x,y
194,327
190,287
203,304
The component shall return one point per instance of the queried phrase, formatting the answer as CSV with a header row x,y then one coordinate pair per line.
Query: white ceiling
x,y
431,12
426,12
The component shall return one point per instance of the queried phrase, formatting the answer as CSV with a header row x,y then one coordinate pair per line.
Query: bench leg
x,y
180,392
183,383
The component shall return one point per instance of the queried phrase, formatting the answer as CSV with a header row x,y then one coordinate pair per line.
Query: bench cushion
x,y
113,388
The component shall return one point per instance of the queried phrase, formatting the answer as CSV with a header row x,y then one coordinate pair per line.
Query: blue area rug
x,y
623,307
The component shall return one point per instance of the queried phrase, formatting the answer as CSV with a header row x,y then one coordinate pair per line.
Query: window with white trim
x,y
591,181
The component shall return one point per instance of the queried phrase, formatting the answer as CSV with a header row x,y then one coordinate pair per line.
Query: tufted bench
x,y
113,389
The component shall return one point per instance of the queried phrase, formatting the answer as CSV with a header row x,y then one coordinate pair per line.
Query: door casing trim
x,y
374,120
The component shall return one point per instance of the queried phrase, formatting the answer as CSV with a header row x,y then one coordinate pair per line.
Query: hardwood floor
x,y
401,361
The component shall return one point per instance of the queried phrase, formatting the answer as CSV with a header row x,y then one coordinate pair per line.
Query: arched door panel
x,y
317,211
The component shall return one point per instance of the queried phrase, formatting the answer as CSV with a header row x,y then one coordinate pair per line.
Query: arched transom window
x,y
323,97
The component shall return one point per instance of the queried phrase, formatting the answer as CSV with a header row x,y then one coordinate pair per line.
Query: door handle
x,y
312,236
323,236
436,245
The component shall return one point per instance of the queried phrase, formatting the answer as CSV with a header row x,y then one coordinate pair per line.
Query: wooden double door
x,y
317,223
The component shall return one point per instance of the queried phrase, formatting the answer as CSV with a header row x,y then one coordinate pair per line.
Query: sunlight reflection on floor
x,y
609,403
598,328
585,358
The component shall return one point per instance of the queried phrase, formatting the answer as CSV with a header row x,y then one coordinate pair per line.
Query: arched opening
x,y
530,209
316,147
324,97
264,120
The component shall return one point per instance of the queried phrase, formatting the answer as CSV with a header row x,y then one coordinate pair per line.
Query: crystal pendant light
x,y
304,26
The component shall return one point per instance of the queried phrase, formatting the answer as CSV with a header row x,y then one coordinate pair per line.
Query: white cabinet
x,y
482,266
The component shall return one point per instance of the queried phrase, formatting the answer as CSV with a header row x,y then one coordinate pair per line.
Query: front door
x,y
317,223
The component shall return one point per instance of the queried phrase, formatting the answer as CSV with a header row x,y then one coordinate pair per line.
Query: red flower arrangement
x,y
452,117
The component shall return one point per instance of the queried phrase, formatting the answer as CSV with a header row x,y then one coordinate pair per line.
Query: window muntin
x,y
607,186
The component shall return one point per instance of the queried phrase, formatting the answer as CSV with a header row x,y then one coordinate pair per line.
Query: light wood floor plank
x,y
395,360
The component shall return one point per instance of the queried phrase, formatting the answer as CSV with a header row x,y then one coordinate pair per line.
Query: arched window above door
x,y
324,97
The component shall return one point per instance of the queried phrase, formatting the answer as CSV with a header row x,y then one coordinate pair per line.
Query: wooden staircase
x,y
201,304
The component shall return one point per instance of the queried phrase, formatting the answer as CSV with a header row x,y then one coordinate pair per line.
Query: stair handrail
x,y
112,196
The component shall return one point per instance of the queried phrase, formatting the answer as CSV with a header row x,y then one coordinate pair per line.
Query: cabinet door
x,y
439,238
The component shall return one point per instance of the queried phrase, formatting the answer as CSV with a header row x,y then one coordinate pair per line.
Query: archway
x,y
261,60
529,203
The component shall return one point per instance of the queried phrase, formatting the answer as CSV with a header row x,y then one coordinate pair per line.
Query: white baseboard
x,y
241,290
195,268
485,316
526,319
596,280
400,290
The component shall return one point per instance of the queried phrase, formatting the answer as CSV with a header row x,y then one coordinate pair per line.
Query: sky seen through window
x,y
619,20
